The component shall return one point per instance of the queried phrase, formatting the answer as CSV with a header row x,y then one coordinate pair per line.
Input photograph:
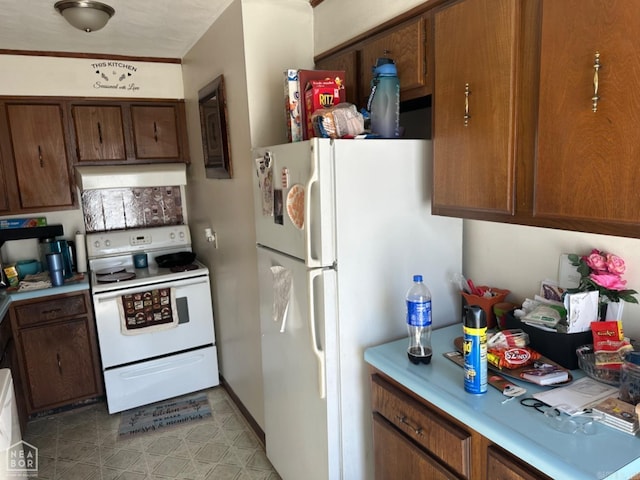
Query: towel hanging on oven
x,y
147,312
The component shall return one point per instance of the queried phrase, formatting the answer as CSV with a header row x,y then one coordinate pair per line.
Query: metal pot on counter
x,y
65,247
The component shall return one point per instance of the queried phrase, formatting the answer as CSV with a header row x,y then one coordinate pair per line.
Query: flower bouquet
x,y
602,272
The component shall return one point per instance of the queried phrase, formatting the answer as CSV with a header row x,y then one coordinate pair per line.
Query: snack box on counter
x,y
23,222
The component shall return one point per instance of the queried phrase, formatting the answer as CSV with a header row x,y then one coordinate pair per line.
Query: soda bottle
x,y
419,321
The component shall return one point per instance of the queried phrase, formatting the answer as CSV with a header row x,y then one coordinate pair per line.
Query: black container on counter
x,y
559,347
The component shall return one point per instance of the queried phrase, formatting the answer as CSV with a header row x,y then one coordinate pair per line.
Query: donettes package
x,y
609,344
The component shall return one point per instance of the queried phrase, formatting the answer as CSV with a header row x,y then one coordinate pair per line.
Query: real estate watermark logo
x,y
22,459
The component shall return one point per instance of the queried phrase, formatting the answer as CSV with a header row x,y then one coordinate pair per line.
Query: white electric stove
x,y
151,362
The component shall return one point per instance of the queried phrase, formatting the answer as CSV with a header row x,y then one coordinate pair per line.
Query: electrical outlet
x,y
211,237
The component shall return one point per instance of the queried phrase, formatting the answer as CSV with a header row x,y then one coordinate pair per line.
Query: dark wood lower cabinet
x,y
398,457
504,466
414,439
57,350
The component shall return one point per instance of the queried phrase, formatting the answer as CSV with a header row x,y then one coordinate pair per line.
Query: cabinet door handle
x,y
467,92
59,363
155,131
52,311
99,132
596,68
40,156
403,419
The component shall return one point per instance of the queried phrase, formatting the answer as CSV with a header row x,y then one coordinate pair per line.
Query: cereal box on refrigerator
x,y
292,105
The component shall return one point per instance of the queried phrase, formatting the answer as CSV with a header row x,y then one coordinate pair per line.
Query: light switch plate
x,y
568,276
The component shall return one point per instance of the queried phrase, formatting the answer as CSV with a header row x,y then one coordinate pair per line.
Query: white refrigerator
x,y
342,226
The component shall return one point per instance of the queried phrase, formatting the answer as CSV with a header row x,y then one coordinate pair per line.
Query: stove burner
x,y
110,270
115,277
184,268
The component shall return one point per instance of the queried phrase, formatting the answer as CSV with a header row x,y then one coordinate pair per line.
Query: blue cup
x,y
140,260
54,262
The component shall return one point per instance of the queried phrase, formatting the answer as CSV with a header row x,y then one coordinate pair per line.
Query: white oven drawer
x,y
193,298
147,382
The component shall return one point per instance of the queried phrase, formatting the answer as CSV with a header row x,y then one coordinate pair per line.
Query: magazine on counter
x,y
575,397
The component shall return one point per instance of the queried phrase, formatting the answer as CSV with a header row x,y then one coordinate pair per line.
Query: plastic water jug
x,y
384,99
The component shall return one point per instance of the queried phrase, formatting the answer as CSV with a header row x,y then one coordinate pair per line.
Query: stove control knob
x,y
96,244
107,243
172,236
182,235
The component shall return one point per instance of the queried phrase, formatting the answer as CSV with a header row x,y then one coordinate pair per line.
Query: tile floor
x,y
82,444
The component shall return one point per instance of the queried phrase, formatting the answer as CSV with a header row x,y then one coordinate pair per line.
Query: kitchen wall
x,y
80,77
251,44
507,256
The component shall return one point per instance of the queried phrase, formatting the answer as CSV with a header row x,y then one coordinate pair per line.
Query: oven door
x,y
195,327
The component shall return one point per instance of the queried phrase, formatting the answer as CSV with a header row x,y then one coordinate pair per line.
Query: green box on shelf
x,y
23,222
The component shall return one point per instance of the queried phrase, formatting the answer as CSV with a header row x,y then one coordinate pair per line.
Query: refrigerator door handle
x,y
313,179
318,351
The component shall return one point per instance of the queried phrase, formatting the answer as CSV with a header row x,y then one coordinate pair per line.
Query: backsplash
x,y
123,208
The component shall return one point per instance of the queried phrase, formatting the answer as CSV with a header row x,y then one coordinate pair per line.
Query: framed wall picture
x,y
215,135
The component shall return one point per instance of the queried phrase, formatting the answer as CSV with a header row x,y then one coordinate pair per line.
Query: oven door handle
x,y
103,297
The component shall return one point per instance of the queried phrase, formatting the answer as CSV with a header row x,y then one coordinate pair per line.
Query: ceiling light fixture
x,y
88,16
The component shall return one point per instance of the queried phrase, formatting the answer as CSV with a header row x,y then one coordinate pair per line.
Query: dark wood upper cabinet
x,y
409,47
526,132
40,155
587,164
4,187
407,40
474,106
99,132
155,132
117,131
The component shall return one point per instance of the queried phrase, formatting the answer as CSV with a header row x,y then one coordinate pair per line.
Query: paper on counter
x,y
580,394
582,309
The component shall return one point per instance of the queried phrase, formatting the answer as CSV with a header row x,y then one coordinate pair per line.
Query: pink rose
x,y
608,281
615,264
595,261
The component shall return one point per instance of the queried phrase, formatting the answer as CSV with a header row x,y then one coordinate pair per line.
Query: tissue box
x,y
559,347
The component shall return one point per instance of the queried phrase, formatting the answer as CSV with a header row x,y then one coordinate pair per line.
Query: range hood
x,y
131,176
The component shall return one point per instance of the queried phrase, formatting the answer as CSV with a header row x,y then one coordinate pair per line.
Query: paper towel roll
x,y
81,253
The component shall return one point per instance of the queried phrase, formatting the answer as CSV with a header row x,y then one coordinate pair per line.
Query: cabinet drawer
x,y
501,464
448,442
49,310
397,457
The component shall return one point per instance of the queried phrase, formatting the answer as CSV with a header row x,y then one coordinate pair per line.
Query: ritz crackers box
x,y
306,76
319,94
